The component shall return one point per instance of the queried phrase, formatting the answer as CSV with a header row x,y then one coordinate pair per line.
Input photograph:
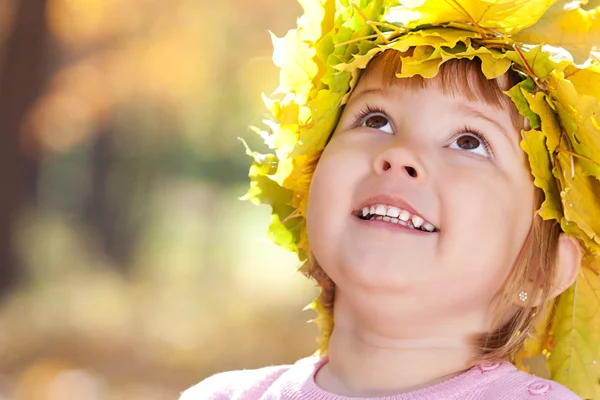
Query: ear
x,y
568,262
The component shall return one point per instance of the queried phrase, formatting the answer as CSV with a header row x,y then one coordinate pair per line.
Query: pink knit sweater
x,y
500,381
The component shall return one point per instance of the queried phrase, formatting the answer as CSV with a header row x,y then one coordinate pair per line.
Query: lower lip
x,y
391,226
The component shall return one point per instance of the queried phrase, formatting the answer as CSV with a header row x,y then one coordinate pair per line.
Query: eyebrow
x,y
379,91
466,109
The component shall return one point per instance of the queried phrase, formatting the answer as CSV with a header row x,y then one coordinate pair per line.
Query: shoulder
x,y
235,384
512,383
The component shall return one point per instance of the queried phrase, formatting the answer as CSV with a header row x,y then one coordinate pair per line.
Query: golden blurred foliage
x,y
142,272
179,55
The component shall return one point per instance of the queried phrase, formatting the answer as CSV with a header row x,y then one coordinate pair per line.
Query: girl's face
x,y
449,161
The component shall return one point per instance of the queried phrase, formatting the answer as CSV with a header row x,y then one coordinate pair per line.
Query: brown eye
x,y
378,121
468,142
471,143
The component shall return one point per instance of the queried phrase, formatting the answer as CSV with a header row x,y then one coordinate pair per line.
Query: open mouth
x,y
395,215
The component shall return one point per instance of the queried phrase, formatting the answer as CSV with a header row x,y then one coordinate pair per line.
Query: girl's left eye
x,y
377,121
473,143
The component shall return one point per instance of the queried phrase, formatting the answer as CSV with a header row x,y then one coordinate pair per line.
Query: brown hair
x,y
536,260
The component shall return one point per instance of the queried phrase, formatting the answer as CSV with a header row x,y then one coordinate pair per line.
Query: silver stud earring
x,y
523,296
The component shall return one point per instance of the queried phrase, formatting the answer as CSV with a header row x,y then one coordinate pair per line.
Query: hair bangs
x,y
455,77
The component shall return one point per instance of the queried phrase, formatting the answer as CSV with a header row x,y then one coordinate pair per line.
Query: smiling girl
x,y
435,251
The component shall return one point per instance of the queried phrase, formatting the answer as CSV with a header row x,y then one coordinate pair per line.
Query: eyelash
x,y
486,144
365,112
369,110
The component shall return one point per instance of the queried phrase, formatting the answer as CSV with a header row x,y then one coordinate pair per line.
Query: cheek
x,y
344,167
329,201
489,200
488,218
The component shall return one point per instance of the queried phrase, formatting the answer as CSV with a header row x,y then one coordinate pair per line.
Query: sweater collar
x,y
298,383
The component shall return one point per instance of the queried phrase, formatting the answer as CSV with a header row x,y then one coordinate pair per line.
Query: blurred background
x,y
129,269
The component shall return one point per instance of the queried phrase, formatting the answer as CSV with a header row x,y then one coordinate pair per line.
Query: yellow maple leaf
x,y
317,18
426,61
295,58
580,197
567,26
586,81
504,16
539,104
431,48
325,108
324,320
534,144
575,358
579,116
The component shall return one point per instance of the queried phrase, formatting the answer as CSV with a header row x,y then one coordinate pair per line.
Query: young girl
x,y
448,209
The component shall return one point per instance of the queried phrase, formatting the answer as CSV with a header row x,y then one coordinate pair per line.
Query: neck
x,y
367,363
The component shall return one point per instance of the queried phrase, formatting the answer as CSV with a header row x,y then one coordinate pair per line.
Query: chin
x,y
374,271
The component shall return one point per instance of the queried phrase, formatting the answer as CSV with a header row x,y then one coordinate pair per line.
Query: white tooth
x,y
387,219
379,218
417,221
380,210
403,223
365,211
393,212
394,220
404,215
428,227
372,210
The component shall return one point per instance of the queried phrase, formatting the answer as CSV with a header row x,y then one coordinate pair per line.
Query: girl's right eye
x,y
377,121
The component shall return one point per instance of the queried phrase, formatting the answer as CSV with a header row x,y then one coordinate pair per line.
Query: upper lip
x,y
393,201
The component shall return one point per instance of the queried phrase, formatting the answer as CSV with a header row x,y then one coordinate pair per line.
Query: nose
x,y
399,160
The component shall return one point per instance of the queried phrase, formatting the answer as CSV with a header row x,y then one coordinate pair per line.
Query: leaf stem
x,y
357,40
293,214
465,12
561,150
370,23
495,41
528,67
395,28
464,27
